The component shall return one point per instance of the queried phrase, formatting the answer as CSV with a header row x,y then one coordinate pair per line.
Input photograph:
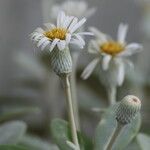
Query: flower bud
x,y
127,109
61,61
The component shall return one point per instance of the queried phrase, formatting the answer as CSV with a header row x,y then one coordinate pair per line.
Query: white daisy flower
x,y
74,8
111,54
61,34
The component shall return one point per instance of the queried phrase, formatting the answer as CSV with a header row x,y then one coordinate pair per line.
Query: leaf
x,y
11,147
107,126
35,143
17,112
133,145
85,142
127,135
144,141
60,133
12,132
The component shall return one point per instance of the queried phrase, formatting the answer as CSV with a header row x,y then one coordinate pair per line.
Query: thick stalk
x,y
75,56
112,91
114,136
70,110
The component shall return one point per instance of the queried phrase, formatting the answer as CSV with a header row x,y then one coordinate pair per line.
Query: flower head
x,y
56,39
111,54
127,109
60,35
77,8
74,8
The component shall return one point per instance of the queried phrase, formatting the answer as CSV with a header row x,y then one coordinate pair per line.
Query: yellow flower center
x,y
112,47
58,33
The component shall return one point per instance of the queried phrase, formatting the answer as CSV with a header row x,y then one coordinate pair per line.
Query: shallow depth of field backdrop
x,y
27,83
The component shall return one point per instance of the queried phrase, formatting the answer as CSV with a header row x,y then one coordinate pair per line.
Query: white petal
x,y
78,25
42,41
44,45
63,19
122,32
105,62
60,18
53,44
40,30
36,35
77,42
64,22
49,26
61,45
131,49
85,33
68,38
73,23
37,38
101,36
32,35
121,73
89,69
68,21
80,39
93,47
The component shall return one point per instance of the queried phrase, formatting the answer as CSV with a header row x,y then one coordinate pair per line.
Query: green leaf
x,y
12,132
85,142
133,145
128,133
17,112
35,143
11,147
144,141
60,133
107,126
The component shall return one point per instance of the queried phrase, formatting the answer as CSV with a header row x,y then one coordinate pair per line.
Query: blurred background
x,y
30,91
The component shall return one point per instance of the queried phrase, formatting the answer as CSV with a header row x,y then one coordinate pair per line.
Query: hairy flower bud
x,y
61,61
128,109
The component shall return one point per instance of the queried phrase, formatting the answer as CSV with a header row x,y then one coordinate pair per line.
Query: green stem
x,y
70,110
74,90
114,136
112,95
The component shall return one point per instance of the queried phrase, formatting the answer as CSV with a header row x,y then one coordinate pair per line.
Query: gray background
x,y
18,18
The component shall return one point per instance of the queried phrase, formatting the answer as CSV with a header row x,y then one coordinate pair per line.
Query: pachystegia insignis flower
x,y
111,54
57,38
61,34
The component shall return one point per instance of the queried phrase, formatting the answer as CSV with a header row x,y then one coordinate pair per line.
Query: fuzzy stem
x,y
70,110
112,95
114,136
74,90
